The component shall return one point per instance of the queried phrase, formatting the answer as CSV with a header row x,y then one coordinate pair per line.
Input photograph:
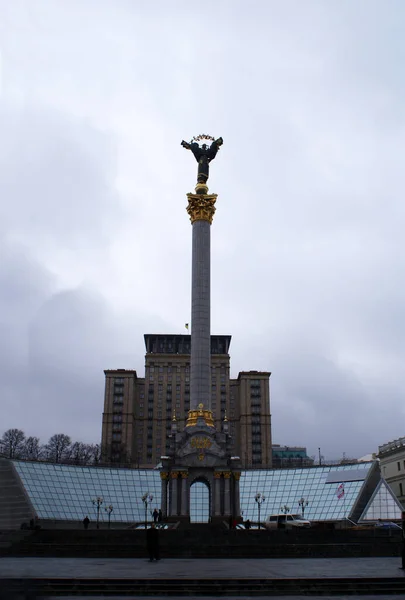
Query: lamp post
x,y
108,510
98,502
146,499
285,509
259,498
303,504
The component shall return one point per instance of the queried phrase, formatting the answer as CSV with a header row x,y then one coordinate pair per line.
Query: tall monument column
x,y
200,453
201,209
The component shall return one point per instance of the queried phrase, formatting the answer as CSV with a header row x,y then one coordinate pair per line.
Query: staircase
x,y
215,587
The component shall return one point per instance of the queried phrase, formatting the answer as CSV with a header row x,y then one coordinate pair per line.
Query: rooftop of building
x,y
173,343
392,446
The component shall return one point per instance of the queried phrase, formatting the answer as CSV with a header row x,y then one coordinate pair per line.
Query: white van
x,y
282,521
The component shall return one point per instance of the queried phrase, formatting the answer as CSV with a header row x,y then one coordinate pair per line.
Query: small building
x,y
392,464
288,457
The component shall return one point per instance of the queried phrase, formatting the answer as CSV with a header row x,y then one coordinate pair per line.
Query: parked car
x,y
387,524
282,521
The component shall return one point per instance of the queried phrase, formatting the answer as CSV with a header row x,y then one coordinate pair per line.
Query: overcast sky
x,y
308,259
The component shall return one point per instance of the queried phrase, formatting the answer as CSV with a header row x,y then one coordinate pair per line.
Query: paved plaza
x,y
201,568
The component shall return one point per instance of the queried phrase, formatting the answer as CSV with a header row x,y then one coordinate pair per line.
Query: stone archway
x,y
200,501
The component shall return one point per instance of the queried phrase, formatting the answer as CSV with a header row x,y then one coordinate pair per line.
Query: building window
x,y
399,466
401,492
119,380
117,418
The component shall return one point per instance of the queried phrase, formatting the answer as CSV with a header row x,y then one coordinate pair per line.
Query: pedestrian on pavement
x,y
160,516
155,515
247,524
86,522
152,543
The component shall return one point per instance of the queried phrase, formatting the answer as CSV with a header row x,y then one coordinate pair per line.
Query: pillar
x,y
201,210
173,494
163,481
184,494
217,494
236,491
227,493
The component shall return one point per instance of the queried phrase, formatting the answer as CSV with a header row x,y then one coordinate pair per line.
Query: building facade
x,y
138,411
392,464
285,457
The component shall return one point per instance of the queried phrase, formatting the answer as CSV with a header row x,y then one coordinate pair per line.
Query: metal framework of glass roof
x,y
65,492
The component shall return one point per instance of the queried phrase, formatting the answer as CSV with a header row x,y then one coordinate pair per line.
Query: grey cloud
x,y
307,261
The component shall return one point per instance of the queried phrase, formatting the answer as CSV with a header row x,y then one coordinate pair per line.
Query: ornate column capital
x,y
227,474
184,474
164,475
217,474
201,207
236,476
174,474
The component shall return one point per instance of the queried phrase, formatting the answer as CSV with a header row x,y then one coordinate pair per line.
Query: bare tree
x,y
32,449
12,443
81,454
58,448
96,453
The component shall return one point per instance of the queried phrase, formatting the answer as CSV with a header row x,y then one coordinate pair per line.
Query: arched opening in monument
x,y
200,508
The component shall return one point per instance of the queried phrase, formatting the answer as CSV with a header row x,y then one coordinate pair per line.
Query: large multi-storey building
x,y
138,412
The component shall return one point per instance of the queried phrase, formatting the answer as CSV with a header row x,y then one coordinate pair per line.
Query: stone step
x,y
134,550
215,587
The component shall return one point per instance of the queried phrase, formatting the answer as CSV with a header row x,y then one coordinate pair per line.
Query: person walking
x,y
86,522
160,516
155,515
247,524
152,543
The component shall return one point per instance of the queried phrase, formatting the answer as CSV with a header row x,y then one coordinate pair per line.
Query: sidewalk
x,y
201,568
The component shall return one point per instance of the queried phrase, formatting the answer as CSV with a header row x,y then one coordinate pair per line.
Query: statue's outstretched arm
x,y
214,148
186,145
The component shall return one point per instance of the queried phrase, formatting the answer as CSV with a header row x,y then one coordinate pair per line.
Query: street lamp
x,y
98,502
146,499
259,498
108,510
303,504
285,509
